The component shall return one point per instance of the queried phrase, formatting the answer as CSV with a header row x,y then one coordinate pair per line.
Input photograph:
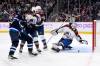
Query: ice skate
x,y
39,50
12,57
55,49
33,53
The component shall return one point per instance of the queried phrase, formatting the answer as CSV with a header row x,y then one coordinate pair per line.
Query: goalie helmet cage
x,y
93,35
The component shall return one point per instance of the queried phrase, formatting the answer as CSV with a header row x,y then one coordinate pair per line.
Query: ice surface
x,y
49,58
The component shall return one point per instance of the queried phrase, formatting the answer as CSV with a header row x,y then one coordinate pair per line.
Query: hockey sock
x,y
44,42
13,47
11,53
36,44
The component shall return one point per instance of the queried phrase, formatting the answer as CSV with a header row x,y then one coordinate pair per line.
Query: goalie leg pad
x,y
65,42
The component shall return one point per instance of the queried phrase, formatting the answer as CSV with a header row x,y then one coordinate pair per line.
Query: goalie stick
x,y
59,27
52,30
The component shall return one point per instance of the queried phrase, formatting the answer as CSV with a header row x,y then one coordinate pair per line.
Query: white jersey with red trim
x,y
31,19
68,33
39,20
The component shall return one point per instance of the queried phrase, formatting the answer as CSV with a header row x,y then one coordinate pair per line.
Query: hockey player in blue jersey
x,y
16,33
31,21
69,32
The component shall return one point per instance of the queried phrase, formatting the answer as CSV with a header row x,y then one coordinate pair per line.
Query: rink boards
x,y
83,27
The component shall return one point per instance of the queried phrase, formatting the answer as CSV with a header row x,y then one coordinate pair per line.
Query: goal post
x,y
94,35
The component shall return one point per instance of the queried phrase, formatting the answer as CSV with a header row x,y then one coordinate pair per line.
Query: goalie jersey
x,y
69,32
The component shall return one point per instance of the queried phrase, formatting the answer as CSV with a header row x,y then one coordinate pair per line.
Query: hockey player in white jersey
x,y
39,26
37,21
70,32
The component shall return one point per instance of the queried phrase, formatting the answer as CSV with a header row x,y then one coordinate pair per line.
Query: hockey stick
x,y
53,35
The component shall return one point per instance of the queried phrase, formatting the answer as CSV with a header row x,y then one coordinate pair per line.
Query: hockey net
x,y
94,35
96,29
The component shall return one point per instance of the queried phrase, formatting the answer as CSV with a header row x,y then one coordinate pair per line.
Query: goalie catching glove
x,y
80,40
